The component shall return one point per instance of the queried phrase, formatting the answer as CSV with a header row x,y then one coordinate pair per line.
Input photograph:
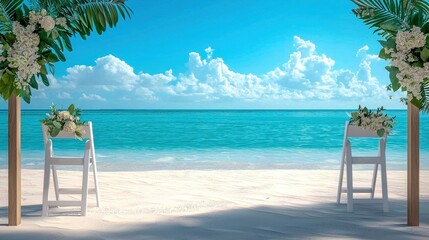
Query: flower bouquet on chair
x,y
372,120
68,121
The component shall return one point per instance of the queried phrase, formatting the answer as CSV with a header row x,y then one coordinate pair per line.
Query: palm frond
x,y
7,11
389,16
425,97
86,15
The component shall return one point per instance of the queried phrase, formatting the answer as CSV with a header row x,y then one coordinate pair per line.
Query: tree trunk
x,y
14,158
413,165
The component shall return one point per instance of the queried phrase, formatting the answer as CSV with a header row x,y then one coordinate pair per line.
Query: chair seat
x,y
358,190
68,161
366,160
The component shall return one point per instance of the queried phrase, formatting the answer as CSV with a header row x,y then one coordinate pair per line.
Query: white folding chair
x,y
51,161
348,159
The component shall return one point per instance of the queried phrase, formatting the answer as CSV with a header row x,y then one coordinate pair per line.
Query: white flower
x,y
43,12
64,115
47,23
410,77
70,127
23,53
408,40
34,17
61,21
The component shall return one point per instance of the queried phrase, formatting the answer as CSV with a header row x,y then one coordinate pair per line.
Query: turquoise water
x,y
188,139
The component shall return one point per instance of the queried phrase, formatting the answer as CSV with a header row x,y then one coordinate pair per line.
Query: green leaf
x,y
78,134
52,58
57,124
33,83
416,103
54,132
424,55
71,109
43,69
26,95
389,44
380,132
393,79
44,79
54,34
384,55
390,26
354,114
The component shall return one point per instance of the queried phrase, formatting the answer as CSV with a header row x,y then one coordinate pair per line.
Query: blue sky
x,y
225,54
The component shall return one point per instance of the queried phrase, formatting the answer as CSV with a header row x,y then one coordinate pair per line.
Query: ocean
x,y
214,139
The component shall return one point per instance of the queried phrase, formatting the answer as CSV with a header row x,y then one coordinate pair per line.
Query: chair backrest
x,y
85,130
355,131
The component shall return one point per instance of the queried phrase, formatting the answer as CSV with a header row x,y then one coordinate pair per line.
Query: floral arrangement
x,y
34,37
408,56
372,121
68,121
28,48
405,26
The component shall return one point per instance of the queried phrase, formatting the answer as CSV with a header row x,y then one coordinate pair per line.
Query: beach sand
x,y
216,204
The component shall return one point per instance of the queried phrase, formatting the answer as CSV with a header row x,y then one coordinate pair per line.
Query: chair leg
x,y
85,186
56,187
94,170
384,187
349,187
340,181
46,180
374,180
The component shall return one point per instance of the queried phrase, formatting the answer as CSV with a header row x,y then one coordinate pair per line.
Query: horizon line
x,y
211,109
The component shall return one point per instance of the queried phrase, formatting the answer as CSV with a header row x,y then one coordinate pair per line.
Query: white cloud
x,y
209,51
305,76
92,97
109,73
64,95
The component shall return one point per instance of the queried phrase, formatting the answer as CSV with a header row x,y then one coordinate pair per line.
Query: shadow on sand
x,y
321,221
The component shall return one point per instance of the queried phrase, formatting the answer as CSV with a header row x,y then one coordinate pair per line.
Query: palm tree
x,y
387,17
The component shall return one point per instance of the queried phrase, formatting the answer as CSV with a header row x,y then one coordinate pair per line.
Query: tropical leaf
x,y
389,16
7,14
425,97
84,16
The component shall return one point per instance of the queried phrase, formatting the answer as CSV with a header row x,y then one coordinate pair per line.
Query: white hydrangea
x,y
35,17
23,53
409,40
47,23
61,21
63,115
374,122
70,127
410,77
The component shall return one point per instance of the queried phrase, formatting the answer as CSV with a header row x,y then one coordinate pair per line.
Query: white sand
x,y
220,204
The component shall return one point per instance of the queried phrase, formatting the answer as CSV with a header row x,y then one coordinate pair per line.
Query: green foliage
x,y
387,17
7,14
68,121
372,120
83,17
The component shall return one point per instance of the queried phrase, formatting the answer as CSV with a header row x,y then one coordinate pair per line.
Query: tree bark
x,y
413,165
14,161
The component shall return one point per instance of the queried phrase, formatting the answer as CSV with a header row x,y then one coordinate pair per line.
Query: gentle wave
x,y
209,139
